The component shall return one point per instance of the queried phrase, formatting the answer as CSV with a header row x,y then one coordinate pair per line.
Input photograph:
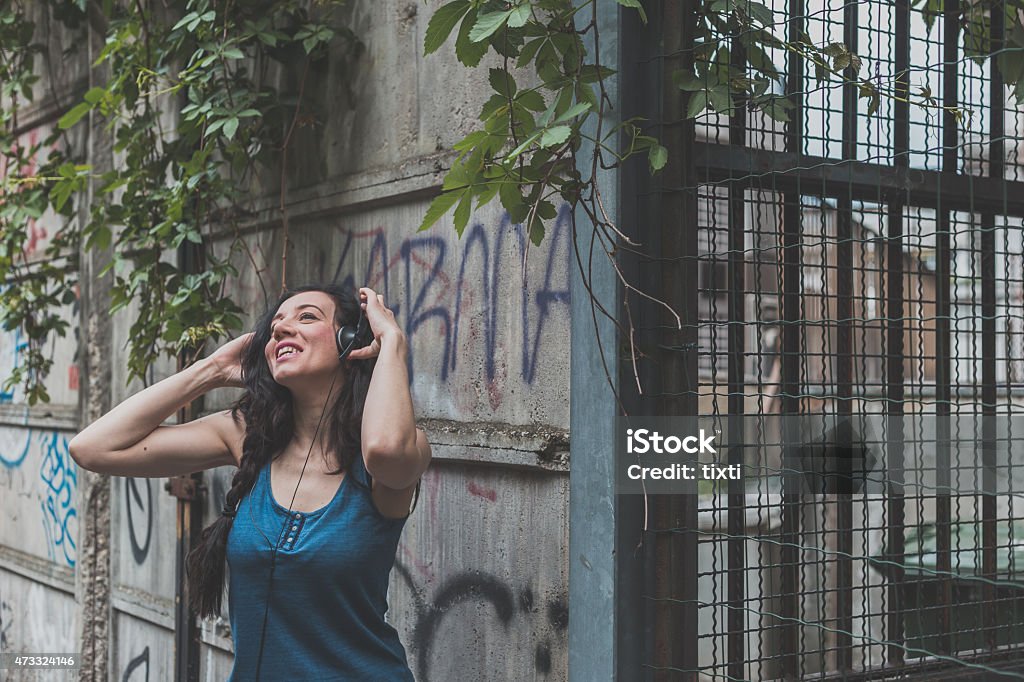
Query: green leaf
x,y
230,127
60,194
470,141
532,100
536,230
487,24
777,108
520,15
503,83
441,204
573,112
486,194
657,156
512,201
721,99
636,5
1011,65
94,95
546,210
74,115
441,24
555,136
468,52
462,211
99,239
698,102
495,105
188,18
529,51
760,60
457,177
687,81
591,73
758,12
525,144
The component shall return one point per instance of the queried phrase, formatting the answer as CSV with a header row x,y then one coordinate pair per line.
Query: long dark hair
x,y
269,427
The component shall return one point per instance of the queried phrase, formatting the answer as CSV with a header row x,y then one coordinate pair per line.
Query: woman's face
x,y
302,338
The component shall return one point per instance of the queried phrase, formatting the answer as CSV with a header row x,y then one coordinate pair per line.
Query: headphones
x,y
350,337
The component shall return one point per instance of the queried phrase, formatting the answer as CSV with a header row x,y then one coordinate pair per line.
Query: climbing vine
x,y
549,97
198,115
201,99
548,91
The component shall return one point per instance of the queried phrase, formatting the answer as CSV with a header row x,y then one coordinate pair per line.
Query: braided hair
x,y
266,408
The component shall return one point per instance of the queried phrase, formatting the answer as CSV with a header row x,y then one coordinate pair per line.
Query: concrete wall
x,y
480,586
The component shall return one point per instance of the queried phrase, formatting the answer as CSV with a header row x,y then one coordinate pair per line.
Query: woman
x,y
329,459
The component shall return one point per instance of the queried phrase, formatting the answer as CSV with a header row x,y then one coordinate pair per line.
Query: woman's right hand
x,y
228,361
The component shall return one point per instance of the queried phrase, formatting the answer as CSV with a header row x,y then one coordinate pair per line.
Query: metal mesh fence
x,y
843,264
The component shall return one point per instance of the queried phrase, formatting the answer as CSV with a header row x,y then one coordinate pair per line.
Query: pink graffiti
x,y
478,490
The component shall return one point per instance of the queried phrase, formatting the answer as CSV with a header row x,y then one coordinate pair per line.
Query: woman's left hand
x,y
382,324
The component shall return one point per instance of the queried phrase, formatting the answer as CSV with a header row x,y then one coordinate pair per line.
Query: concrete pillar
x,y
93,575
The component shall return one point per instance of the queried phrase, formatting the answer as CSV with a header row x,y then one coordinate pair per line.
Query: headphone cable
x,y
284,528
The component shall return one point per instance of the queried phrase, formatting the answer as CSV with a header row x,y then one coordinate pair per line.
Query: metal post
x,y
189,527
737,388
943,347
791,327
592,504
894,343
988,336
844,359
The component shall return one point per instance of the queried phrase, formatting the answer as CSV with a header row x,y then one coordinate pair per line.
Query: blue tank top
x,y
329,594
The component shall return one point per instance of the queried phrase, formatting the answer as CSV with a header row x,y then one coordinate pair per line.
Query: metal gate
x,y
865,269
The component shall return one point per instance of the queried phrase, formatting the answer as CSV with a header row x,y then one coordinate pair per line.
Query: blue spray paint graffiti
x,y
483,252
13,458
60,517
491,276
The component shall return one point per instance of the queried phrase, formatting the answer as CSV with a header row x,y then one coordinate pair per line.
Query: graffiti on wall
x,y
139,511
14,448
510,607
60,517
445,293
139,663
6,615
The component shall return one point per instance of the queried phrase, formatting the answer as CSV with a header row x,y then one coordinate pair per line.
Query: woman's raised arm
x,y
131,439
395,452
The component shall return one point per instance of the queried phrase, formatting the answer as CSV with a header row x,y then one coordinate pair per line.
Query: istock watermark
x,y
669,455
853,454
648,441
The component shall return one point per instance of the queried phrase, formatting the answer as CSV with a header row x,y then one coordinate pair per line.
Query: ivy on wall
x,y
195,110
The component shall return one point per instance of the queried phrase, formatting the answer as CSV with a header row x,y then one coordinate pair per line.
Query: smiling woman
x,y
329,461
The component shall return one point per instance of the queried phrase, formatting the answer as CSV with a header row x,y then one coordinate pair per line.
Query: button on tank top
x,y
329,594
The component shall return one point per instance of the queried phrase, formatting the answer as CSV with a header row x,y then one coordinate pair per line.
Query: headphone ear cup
x,y
349,338
344,338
